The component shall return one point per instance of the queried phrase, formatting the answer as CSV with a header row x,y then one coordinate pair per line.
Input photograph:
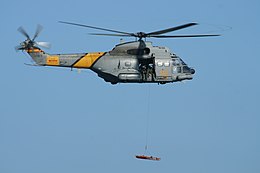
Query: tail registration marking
x,y
53,60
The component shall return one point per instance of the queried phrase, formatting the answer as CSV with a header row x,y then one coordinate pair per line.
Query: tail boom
x,y
79,60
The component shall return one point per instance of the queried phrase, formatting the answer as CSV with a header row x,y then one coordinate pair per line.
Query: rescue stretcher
x,y
147,157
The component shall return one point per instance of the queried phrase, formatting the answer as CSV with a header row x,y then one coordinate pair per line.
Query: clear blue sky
x,y
54,120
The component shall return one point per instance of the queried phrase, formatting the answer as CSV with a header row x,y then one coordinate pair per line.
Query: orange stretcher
x,y
147,157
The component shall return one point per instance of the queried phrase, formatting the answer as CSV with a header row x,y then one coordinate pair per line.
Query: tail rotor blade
x,y
18,48
44,44
23,32
37,32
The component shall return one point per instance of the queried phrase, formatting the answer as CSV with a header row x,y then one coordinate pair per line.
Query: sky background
x,y
56,120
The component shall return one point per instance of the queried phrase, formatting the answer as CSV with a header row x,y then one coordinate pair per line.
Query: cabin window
x,y
179,69
166,64
159,64
174,70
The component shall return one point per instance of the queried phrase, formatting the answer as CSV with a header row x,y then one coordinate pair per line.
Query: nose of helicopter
x,y
192,71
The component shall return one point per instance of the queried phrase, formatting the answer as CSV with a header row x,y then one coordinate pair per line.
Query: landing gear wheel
x,y
113,83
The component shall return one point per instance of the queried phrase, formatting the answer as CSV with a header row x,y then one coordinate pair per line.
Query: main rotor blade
x,y
171,29
183,36
37,32
22,31
93,27
117,35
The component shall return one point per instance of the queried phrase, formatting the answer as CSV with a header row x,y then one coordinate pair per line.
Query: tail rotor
x,y
31,43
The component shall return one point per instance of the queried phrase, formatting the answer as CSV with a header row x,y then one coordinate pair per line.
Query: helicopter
x,y
129,62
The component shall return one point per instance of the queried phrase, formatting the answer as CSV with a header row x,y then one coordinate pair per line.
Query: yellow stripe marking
x,y
88,60
34,50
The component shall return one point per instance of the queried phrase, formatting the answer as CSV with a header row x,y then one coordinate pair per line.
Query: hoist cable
x,y
147,118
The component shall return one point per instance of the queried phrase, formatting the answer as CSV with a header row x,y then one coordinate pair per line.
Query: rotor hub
x,y
141,35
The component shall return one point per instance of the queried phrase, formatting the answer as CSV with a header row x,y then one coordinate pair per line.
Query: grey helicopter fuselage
x,y
141,62
130,62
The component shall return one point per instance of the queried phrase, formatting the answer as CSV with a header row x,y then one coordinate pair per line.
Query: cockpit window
x,y
178,61
186,69
182,62
175,62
